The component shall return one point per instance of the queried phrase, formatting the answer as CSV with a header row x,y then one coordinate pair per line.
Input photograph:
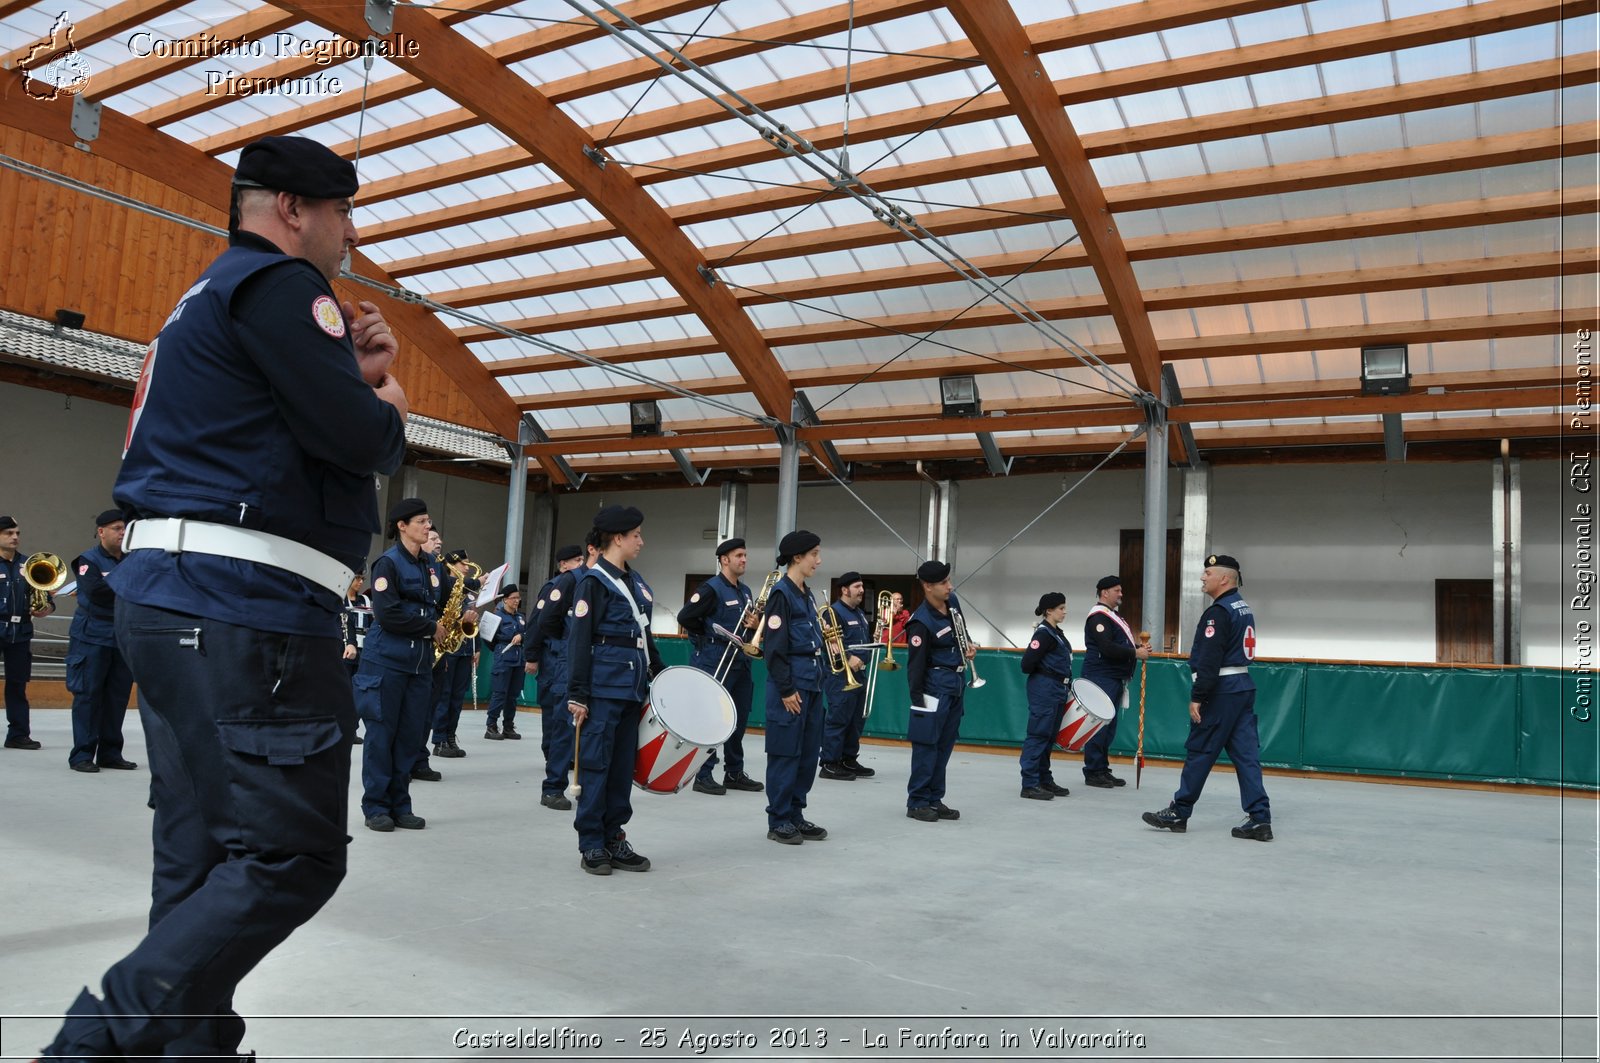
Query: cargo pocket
x,y
369,696
784,730
288,783
281,743
77,679
923,727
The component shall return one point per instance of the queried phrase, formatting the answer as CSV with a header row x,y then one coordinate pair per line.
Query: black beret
x,y
1107,582
455,557
567,553
618,519
728,546
405,509
1049,601
849,578
933,571
7,523
510,588
1222,561
109,516
797,543
295,164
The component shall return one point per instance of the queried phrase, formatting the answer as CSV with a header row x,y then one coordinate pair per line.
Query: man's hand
x,y
532,668
792,703
516,640
857,663
1194,711
375,345
469,615
349,653
1142,652
579,712
438,632
972,651
390,391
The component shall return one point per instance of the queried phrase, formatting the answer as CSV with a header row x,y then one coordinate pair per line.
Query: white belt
x,y
1232,669
177,535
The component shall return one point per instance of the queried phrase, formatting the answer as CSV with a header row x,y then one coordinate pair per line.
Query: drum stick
x,y
1144,683
576,789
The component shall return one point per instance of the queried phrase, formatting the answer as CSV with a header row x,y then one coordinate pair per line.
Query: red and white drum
x,y
688,715
1089,710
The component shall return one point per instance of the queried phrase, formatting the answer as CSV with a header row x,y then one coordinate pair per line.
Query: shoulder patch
x,y
916,640
555,594
1211,629
1100,627
83,569
646,592
435,577
539,604
774,621
1033,645
381,583
582,608
695,597
327,316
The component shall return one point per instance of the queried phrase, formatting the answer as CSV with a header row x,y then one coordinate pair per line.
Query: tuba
x,y
885,631
46,574
456,630
833,643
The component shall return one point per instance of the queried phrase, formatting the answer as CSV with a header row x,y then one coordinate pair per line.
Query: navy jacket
x,y
555,628
1224,638
857,630
405,610
607,655
1108,652
933,659
1047,662
716,601
506,656
15,595
793,642
93,622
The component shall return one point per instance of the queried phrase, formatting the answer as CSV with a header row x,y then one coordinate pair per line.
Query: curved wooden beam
x,y
473,78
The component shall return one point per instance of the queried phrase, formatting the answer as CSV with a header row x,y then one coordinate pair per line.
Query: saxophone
x,y
455,631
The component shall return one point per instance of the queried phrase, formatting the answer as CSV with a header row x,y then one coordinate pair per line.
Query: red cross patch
x,y
916,640
1211,629
1033,645
83,569
1250,642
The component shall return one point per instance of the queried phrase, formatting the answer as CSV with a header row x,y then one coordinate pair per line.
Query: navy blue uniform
x,y
716,601
1109,655
841,735
16,644
506,677
452,676
97,676
554,627
250,411
611,663
1224,645
1047,662
396,678
793,649
938,680
357,621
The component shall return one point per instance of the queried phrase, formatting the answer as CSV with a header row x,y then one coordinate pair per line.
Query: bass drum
x,y
1089,710
687,716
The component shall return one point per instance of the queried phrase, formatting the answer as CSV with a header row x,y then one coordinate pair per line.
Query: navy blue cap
x,y
728,546
405,509
567,553
796,543
7,523
1107,582
295,164
933,572
618,519
1049,601
849,578
109,516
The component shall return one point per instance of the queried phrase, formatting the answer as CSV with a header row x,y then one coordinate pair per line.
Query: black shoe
x,y
426,774
738,780
442,749
596,862
359,741
1055,788
455,747
558,802
22,743
406,821
1167,819
861,770
492,732
923,813
623,858
380,822
1254,830
945,811
810,831
786,834
509,731
1101,779
1037,793
831,770
1114,780
85,766
705,785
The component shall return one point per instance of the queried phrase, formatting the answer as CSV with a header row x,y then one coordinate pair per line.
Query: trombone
x,y
963,644
749,625
833,642
46,574
885,631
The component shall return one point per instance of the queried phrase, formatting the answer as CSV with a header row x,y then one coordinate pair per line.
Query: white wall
x,y
1339,560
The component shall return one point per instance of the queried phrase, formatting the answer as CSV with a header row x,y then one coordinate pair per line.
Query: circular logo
x,y
916,640
555,594
435,577
54,66
695,597
1033,645
539,604
381,583
325,312
582,609
774,621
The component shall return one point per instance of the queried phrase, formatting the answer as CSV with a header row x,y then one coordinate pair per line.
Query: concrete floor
x,y
1384,921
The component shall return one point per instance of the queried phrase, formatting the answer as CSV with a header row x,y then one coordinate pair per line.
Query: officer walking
x,y
793,649
936,672
506,674
841,734
551,622
612,658
16,635
722,601
1109,656
1047,662
264,409
97,676
1222,706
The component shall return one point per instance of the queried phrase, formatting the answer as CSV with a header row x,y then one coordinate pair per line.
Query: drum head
x,y
692,705
1094,700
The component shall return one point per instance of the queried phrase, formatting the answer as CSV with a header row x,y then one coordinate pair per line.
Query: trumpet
x,y
833,642
749,624
46,574
963,645
885,631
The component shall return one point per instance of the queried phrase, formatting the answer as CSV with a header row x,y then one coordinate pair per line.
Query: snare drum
x,y
687,716
1089,710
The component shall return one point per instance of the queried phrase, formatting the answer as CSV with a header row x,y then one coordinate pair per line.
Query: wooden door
x,y
1464,620
1131,562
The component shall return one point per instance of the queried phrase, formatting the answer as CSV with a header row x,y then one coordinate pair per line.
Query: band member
x,y
793,651
901,616
453,675
841,734
355,621
422,769
550,620
396,674
936,672
506,675
16,635
1222,706
722,600
97,675
1110,653
1047,662
612,658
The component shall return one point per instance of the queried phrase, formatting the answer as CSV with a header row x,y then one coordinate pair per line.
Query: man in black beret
x,y
263,411
936,670
724,601
1110,654
507,677
16,634
97,674
545,655
792,646
1047,662
1222,706
841,735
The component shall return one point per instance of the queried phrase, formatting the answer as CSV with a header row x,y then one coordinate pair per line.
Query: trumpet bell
x,y
45,572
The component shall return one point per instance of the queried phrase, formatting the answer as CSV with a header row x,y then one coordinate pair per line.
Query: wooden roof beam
x,y
100,26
